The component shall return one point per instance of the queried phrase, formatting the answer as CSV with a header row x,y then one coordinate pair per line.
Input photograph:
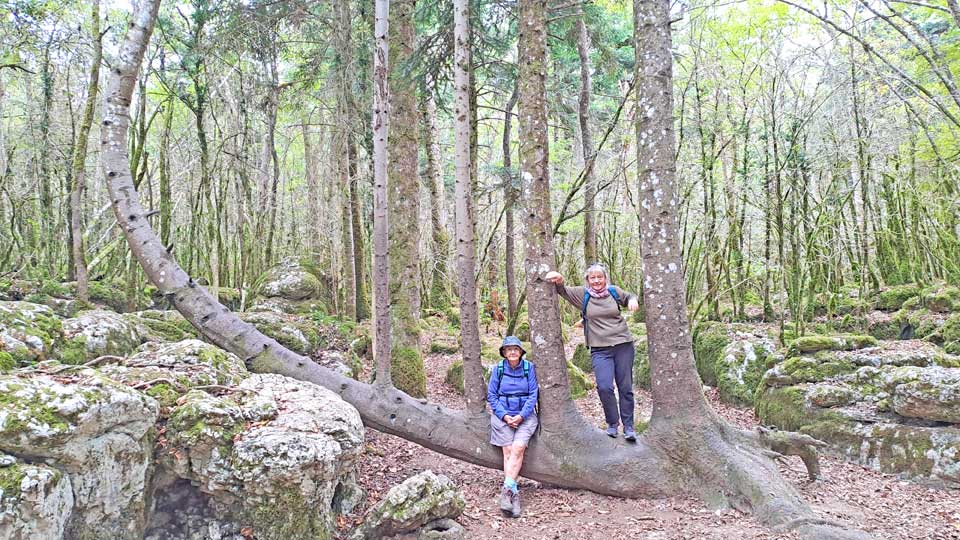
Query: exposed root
x,y
793,444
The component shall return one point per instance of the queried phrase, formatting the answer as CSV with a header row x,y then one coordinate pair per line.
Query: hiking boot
x,y
515,507
506,501
630,435
612,432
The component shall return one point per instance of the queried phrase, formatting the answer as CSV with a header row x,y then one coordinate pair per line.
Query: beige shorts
x,y
503,435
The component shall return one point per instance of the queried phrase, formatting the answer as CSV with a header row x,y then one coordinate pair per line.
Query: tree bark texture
x,y
381,227
586,141
474,390
567,452
344,53
80,158
440,239
404,193
509,202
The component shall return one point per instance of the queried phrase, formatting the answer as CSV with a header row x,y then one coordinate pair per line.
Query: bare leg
x,y
512,467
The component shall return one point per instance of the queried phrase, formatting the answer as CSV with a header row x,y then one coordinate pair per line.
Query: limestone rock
x,y
934,395
408,506
276,448
97,333
289,280
28,332
285,306
297,335
161,326
829,395
740,367
35,501
98,432
169,370
840,342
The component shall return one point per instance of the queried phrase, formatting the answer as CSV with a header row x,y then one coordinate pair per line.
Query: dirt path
x,y
882,504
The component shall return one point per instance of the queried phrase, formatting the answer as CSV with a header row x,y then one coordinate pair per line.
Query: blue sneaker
x,y
612,431
630,435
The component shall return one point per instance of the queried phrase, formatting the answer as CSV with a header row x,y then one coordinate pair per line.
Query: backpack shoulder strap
x,y
526,369
499,374
613,293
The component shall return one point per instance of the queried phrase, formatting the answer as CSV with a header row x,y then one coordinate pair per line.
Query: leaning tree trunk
x,y
568,452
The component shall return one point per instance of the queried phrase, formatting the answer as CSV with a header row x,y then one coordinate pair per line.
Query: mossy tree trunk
x,y
687,450
404,205
510,201
80,158
343,51
440,240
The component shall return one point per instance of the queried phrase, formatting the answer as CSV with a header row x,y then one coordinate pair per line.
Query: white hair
x,y
594,268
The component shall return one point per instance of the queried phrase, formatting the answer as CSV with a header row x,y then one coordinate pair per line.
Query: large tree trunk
x,y
80,158
568,452
404,205
341,150
381,228
474,390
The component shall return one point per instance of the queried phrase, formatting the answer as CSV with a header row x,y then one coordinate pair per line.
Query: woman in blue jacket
x,y
512,395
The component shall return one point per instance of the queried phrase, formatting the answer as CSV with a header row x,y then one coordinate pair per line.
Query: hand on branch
x,y
554,277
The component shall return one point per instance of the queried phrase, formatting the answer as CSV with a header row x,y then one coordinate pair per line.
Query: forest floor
x,y
883,505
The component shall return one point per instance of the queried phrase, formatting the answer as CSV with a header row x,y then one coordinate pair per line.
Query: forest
x,y
210,206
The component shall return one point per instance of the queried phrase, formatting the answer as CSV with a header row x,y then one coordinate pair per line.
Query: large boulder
x,y
161,326
35,500
166,371
419,500
28,332
289,280
271,449
97,333
732,357
298,335
98,432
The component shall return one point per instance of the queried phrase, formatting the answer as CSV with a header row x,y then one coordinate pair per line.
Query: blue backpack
x,y
586,300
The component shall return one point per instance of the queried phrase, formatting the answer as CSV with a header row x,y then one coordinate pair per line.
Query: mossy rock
x,y
831,395
892,298
816,368
942,299
408,372
97,333
7,363
837,303
162,326
443,347
783,407
581,358
740,368
579,383
230,298
29,332
296,334
709,340
113,294
289,280
841,342
454,375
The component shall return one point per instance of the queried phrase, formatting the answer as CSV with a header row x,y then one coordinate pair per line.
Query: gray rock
x,y
933,395
293,333
830,395
408,506
98,432
275,449
35,502
97,333
29,332
289,280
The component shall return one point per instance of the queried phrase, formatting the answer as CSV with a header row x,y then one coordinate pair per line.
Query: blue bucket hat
x,y
514,341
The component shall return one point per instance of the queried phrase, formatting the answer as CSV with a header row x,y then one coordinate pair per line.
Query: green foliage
x,y
74,351
579,383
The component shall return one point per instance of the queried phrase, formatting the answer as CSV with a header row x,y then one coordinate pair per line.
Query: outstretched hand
x,y
554,277
633,305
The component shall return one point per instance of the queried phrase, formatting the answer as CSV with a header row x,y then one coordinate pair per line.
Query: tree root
x,y
788,443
